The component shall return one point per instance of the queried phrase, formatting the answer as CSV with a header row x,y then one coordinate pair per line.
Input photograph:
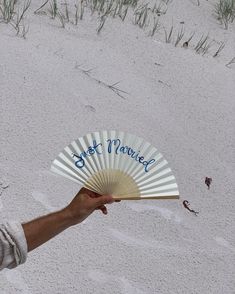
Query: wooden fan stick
x,y
149,197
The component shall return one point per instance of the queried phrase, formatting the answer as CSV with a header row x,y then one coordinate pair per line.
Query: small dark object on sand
x,y
185,45
208,182
186,205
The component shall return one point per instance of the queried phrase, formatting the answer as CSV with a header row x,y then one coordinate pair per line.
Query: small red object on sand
x,y
208,182
186,205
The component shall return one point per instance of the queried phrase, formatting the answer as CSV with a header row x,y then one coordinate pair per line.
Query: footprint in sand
x,y
98,276
47,173
140,243
90,108
4,183
126,285
222,242
128,288
43,199
166,213
14,277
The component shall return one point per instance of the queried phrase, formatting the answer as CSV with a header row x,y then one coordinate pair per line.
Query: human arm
x,y
17,239
42,229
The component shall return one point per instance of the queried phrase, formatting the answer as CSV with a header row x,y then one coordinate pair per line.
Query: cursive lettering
x,y
90,151
116,146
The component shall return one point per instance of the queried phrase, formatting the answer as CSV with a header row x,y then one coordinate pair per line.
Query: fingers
x,y
89,193
92,194
99,200
107,199
103,208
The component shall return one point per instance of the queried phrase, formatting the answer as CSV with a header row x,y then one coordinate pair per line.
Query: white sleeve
x,y
13,245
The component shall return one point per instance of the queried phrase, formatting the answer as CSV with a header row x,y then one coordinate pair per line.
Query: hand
x,y
84,203
42,229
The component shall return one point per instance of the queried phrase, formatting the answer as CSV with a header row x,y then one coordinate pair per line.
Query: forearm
x,y
42,229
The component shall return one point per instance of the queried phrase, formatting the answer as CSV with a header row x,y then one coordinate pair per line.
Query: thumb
x,y
103,200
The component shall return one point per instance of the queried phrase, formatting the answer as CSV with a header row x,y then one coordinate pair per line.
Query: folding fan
x,y
118,164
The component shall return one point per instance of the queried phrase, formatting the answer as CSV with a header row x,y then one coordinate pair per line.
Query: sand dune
x,y
54,88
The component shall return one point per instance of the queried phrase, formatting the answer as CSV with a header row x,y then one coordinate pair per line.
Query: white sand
x,y
184,106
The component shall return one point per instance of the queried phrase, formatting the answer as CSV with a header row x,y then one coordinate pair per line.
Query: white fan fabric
x,y
119,164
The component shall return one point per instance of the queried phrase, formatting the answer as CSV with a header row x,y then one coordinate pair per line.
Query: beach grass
x,y
232,61
143,14
169,35
203,44
218,51
53,8
7,10
20,16
179,36
156,27
225,12
12,13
